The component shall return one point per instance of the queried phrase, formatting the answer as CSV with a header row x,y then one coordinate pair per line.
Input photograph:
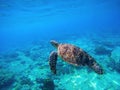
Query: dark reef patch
x,y
6,79
35,56
115,66
108,44
11,55
102,51
25,80
23,62
48,84
27,53
39,80
1,57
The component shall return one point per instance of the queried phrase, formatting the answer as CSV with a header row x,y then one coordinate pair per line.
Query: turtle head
x,y
54,43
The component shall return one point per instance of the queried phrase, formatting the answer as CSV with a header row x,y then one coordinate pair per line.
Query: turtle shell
x,y
70,53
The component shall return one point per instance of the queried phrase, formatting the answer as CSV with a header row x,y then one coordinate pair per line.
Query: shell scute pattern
x,y
69,53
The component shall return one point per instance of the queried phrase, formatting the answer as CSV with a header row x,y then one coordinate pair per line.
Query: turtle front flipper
x,y
95,66
53,61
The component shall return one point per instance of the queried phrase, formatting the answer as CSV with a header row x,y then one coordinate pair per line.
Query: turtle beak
x,y
54,43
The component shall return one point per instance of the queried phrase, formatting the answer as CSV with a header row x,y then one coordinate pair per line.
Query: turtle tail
x,y
95,66
53,61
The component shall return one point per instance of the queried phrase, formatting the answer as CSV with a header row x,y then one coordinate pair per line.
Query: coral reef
x,y
114,60
48,84
27,53
108,44
31,69
11,55
25,80
102,51
115,54
39,80
34,53
6,79
114,65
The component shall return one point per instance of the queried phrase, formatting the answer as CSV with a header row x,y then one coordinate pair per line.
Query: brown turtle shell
x,y
71,54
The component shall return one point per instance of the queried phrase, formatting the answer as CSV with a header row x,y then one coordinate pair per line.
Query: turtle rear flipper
x,y
53,61
95,66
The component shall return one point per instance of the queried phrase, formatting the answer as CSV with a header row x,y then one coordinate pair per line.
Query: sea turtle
x,y
73,55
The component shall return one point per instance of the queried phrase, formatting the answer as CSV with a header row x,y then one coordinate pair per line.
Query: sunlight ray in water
x,y
93,85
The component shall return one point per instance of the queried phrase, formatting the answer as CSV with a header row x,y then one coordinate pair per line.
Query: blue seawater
x,y
26,28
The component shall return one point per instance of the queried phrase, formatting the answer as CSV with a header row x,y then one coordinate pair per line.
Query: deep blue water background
x,y
26,21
